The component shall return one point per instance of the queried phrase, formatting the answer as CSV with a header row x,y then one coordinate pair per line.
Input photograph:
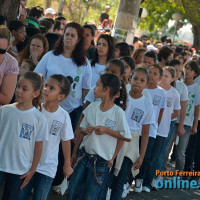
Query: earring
x,y
13,38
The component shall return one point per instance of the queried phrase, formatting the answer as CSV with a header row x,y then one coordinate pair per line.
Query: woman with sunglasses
x,y
8,68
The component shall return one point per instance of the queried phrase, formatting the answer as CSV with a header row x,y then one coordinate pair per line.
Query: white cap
x,y
107,7
50,11
151,48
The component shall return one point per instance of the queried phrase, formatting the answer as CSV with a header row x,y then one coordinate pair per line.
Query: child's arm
x,y
175,114
160,115
196,118
118,147
36,159
100,130
66,147
181,130
144,142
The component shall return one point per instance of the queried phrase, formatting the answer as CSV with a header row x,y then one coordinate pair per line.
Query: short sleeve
x,y
11,65
42,130
197,100
41,67
90,96
177,105
67,132
84,122
123,127
184,95
87,78
150,116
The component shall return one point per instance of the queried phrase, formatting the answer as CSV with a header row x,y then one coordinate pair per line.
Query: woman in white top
x,y
103,53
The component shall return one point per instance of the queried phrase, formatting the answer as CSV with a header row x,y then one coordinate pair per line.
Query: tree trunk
x,y
48,3
196,33
127,18
60,6
9,9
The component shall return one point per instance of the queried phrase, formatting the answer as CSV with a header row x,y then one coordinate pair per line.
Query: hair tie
x,y
120,87
121,102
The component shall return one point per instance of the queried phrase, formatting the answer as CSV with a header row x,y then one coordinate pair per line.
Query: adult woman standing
x,y
68,58
103,53
8,68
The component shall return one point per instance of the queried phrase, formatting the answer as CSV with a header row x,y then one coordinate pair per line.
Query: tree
x,y
60,6
9,9
127,17
161,11
48,3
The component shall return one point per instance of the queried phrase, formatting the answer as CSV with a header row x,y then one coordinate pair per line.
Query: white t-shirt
x,y
193,100
144,92
139,112
197,80
97,71
51,64
173,103
59,128
103,145
19,132
159,100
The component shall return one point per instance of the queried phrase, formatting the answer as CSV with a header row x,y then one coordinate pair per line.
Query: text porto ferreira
x,y
177,181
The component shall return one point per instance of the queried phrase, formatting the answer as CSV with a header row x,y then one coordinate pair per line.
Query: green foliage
x,y
81,10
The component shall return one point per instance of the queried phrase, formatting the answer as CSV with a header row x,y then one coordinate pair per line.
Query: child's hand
x,y
100,130
193,130
67,170
34,57
181,130
110,163
27,177
89,130
138,163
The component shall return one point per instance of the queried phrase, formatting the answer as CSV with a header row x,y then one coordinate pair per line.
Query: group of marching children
x,y
128,119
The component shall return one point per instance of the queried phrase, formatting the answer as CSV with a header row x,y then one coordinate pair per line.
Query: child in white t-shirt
x,y
170,112
56,89
114,66
183,92
191,70
103,124
140,115
23,130
159,100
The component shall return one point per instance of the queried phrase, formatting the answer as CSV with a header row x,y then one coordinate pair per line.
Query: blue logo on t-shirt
x,y
26,131
55,127
137,115
110,124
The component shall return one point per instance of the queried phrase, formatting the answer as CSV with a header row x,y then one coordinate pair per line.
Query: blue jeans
x,y
41,185
156,151
12,185
121,179
162,154
147,159
89,172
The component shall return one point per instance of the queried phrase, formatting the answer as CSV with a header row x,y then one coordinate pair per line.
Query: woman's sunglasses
x,y
2,51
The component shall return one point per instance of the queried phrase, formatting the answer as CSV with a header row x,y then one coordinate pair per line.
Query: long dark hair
x,y
115,85
78,55
111,48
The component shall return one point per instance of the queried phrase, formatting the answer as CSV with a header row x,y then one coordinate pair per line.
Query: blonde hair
x,y
5,34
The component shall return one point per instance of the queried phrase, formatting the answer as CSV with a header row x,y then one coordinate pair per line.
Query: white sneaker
x,y
153,184
108,194
138,185
60,189
126,190
145,189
